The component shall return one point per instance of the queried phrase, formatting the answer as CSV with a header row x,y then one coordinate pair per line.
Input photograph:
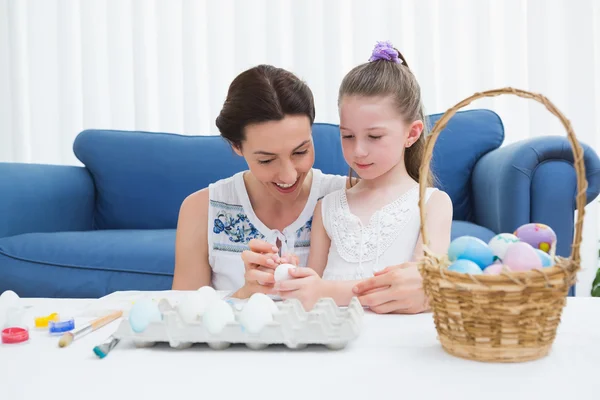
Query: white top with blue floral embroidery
x,y
232,224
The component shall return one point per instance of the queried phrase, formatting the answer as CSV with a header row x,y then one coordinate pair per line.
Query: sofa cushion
x,y
86,264
141,178
464,228
467,137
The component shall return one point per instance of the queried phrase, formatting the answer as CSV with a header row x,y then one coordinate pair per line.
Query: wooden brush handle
x,y
100,322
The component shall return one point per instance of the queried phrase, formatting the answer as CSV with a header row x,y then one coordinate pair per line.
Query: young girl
x,y
356,232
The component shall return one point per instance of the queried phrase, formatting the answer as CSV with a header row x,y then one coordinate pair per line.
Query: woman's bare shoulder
x,y
195,204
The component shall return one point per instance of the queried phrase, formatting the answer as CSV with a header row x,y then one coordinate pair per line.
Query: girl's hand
x,y
260,262
307,286
397,289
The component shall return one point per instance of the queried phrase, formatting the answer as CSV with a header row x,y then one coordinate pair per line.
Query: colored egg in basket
x,y
539,236
465,266
496,268
546,258
532,246
522,256
499,243
472,249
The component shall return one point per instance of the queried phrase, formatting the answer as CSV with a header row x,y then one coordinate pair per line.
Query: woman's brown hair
x,y
260,94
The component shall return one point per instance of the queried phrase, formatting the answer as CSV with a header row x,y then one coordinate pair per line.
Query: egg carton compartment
x,y
325,324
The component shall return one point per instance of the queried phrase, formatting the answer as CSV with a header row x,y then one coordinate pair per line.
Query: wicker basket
x,y
511,317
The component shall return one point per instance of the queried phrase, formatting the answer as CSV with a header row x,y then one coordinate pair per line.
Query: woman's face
x,y
280,154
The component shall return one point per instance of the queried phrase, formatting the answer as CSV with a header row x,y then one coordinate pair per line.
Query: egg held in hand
x,y
282,272
472,249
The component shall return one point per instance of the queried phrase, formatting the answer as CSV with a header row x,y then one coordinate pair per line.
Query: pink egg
x,y
494,269
521,256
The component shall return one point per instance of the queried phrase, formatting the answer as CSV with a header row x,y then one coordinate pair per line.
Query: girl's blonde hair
x,y
387,74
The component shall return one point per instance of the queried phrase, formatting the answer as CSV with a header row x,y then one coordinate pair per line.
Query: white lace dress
x,y
357,250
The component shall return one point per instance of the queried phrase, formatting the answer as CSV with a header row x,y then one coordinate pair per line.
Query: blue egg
x,y
142,313
545,257
465,267
472,249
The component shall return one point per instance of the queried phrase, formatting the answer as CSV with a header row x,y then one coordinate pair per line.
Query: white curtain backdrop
x,y
165,65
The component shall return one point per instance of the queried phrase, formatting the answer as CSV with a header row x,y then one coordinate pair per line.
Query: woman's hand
x,y
396,289
289,258
260,262
306,286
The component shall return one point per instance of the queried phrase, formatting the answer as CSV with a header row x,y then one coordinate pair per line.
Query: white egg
x,y
499,243
217,316
282,272
264,301
255,315
8,299
208,293
194,304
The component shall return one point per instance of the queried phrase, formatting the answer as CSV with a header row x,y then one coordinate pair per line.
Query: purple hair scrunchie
x,y
385,51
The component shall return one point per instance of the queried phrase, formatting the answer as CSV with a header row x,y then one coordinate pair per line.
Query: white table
x,y
395,357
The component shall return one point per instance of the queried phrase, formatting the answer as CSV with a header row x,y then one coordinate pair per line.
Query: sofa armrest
x,y
44,198
532,180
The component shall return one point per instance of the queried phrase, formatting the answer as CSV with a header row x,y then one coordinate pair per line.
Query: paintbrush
x,y
103,349
68,337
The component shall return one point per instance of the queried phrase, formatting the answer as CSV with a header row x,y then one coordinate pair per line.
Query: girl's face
x,y
374,134
280,154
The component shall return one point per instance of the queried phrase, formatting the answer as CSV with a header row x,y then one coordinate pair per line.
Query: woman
x,y
234,233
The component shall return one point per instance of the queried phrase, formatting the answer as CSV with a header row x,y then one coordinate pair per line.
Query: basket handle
x,y
577,155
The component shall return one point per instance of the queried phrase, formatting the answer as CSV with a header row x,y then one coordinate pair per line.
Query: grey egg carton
x,y
325,324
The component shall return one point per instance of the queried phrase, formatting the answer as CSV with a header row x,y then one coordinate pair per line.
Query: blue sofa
x,y
70,231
